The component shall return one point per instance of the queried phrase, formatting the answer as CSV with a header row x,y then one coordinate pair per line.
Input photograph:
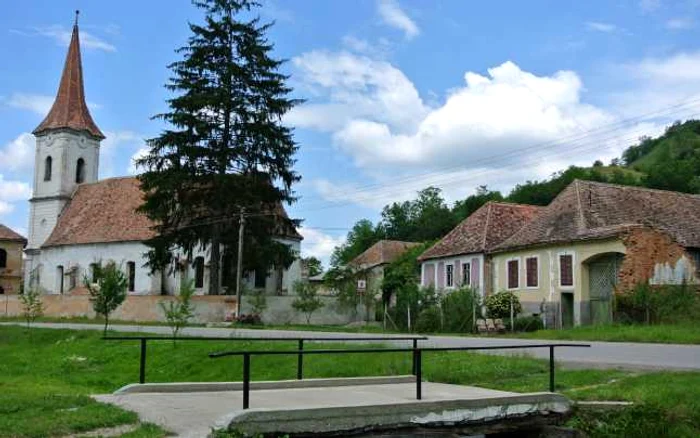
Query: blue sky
x,y
401,94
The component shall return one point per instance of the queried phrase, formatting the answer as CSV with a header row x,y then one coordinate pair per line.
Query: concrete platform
x,y
316,409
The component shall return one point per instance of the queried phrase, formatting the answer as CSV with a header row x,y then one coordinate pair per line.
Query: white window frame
x,y
449,267
573,270
467,268
536,257
516,259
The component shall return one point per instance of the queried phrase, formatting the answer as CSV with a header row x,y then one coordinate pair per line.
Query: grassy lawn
x,y
662,334
52,371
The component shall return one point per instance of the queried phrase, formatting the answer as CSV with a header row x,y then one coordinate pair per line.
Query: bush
x,y
179,312
249,319
658,304
498,305
258,301
415,298
458,308
32,306
307,300
108,292
429,320
528,324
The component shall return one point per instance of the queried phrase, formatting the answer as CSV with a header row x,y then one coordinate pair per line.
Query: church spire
x,y
69,110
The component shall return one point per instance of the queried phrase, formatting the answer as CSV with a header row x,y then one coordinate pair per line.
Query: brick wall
x,y
647,249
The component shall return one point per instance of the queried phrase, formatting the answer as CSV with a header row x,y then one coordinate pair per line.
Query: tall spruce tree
x,y
224,148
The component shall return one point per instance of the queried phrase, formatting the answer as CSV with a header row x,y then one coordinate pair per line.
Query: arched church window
x,y
80,171
47,168
3,258
199,272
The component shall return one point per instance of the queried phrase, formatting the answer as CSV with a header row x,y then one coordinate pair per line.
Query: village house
x,y
594,240
369,266
462,258
11,247
77,221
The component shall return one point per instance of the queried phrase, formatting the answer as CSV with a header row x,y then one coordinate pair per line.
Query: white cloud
x,y
392,15
318,244
354,86
601,27
386,121
62,36
133,169
18,155
649,5
118,144
680,23
10,192
37,103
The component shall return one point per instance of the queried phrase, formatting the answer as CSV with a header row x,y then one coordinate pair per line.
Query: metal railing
x,y
416,352
299,340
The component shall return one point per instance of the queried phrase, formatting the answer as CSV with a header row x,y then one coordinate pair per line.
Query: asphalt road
x,y
624,355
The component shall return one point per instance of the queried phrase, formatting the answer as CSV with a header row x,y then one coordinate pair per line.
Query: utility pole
x,y
239,263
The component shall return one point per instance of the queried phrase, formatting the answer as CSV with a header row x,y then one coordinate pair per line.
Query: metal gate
x,y
602,279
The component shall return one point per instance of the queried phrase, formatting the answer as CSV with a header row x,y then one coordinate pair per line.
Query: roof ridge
x,y
486,227
638,188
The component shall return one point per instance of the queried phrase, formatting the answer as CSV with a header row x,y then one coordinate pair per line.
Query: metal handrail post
x,y
551,368
246,380
415,345
300,360
142,367
418,360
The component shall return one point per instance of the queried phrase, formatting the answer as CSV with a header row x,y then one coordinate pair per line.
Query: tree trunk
x,y
214,261
104,333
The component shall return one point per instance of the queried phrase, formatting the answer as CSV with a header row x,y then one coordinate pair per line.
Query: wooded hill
x,y
669,162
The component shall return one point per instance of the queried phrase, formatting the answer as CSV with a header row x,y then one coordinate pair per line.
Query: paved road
x,y
600,355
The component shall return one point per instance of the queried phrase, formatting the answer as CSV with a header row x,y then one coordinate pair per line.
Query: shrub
x,y
32,305
498,305
528,324
179,312
307,300
108,292
415,298
258,301
458,308
250,319
429,320
649,304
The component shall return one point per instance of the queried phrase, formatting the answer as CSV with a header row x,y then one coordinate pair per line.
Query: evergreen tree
x,y
224,149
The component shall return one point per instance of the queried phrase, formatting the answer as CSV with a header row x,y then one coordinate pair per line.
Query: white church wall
x,y
80,257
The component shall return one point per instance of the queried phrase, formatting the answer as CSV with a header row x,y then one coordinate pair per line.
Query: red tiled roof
x,y
384,251
588,210
69,110
102,212
483,229
7,234
105,211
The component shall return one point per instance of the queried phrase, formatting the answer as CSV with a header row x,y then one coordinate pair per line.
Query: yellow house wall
x,y
11,276
549,288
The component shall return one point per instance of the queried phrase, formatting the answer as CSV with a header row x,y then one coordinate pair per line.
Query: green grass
x,y
52,371
662,334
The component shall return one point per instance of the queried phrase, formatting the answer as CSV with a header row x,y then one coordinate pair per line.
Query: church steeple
x,y
69,110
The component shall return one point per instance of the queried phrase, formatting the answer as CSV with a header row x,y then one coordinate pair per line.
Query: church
x,y
78,221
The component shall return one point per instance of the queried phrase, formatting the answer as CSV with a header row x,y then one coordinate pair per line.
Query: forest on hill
x,y
668,162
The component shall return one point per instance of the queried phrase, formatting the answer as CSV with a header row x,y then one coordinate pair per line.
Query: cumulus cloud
x,y
385,121
680,24
318,244
354,86
18,155
12,191
133,168
62,36
37,103
392,15
601,27
118,144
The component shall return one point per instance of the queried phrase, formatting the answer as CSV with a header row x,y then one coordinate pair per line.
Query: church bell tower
x,y
67,152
